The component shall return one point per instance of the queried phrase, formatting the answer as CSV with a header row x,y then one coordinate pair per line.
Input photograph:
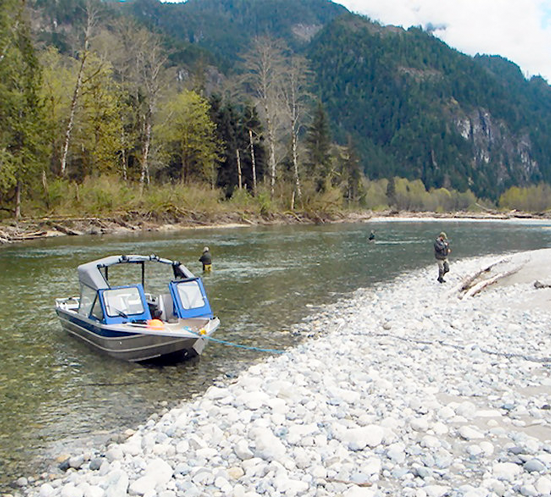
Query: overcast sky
x,y
519,30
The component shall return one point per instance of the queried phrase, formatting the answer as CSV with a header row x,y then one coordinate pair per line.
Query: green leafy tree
x,y
186,132
21,109
100,135
58,73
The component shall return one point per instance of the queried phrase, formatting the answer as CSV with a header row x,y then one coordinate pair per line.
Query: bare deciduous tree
x,y
141,63
91,22
265,63
295,97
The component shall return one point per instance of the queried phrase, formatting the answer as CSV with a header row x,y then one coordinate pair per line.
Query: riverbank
x,y
33,229
409,388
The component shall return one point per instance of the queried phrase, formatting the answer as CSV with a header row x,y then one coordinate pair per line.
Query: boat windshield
x,y
123,302
87,299
190,295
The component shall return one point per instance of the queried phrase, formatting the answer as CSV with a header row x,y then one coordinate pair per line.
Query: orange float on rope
x,y
155,324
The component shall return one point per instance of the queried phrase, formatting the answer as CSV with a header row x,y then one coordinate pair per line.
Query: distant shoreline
x,y
32,229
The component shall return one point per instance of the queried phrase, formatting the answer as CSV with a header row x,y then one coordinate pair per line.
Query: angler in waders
x,y
206,260
441,251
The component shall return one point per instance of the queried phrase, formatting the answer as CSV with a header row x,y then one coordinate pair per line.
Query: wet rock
x,y
95,463
534,466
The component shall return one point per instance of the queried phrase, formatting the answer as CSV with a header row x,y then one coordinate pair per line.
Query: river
x,y
56,395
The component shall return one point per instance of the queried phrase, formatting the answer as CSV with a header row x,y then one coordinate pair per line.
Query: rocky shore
x,y
411,388
32,229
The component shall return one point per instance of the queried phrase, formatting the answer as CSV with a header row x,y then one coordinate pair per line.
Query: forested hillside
x,y
272,103
227,27
423,110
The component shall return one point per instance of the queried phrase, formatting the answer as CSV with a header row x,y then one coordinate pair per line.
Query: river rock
x,y
506,471
534,465
470,433
446,401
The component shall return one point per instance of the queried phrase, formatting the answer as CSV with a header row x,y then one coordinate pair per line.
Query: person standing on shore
x,y
206,260
441,251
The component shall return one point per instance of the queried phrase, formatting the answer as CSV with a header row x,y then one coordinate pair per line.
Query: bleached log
x,y
66,231
483,284
466,284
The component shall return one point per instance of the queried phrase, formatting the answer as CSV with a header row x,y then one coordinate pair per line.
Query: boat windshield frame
x,y
186,302
124,303
94,274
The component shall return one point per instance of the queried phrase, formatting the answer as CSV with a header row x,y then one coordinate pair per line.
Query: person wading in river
x,y
206,260
441,251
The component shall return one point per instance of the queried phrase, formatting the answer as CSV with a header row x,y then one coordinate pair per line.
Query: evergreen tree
x,y
230,136
391,192
318,147
21,109
351,173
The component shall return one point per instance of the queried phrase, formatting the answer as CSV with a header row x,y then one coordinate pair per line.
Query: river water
x,y
57,395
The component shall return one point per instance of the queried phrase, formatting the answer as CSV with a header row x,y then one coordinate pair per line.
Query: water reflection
x,y
54,390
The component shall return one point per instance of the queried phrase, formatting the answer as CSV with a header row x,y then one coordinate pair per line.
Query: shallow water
x,y
55,392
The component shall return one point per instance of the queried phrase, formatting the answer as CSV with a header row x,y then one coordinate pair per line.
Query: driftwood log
x,y
471,279
65,230
485,283
30,236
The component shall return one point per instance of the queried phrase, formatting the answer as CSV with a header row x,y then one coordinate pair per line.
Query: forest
x,y
103,110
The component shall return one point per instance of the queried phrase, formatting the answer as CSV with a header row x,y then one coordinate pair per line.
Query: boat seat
x,y
166,306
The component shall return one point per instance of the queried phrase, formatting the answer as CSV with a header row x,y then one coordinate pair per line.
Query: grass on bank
x,y
109,196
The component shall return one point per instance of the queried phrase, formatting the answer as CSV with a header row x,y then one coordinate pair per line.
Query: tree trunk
x,y
146,146
69,130
253,161
271,148
90,21
239,174
17,201
293,95
124,158
295,165
266,63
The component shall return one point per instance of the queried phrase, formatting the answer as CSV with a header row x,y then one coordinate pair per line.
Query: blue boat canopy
x,y
190,299
91,274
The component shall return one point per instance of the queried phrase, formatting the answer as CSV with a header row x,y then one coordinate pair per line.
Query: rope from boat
x,y
233,344
223,342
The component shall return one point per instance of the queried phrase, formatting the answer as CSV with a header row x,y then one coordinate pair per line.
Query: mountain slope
x,y
412,106
417,108
226,27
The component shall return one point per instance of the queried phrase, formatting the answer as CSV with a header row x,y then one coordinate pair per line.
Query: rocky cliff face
x,y
496,150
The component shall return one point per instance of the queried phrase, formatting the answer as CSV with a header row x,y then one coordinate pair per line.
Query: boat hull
x,y
137,347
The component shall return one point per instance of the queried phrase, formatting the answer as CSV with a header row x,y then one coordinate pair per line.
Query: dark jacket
x,y
441,249
206,258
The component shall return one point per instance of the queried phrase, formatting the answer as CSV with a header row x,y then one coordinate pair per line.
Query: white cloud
x,y
519,30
